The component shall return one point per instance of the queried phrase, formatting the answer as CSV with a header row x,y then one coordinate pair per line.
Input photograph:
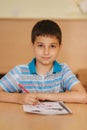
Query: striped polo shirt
x,y
59,79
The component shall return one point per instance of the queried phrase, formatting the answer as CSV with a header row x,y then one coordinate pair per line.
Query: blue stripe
x,y
15,70
40,88
41,81
69,81
11,87
5,87
58,81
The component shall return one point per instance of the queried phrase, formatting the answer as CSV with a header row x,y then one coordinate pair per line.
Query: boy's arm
x,y
20,98
76,95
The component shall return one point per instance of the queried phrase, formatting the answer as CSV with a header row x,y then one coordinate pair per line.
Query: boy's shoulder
x,y
64,66
23,68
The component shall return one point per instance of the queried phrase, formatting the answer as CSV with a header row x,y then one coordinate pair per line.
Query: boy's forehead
x,y
47,38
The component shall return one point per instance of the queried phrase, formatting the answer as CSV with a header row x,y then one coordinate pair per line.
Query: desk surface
x,y
12,117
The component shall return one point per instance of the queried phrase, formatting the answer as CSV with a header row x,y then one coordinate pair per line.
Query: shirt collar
x,y
32,67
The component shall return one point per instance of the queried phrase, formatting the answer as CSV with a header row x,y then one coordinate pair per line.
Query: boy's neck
x,y
43,69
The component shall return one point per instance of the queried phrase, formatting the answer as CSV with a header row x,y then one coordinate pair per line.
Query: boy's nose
x,y
46,51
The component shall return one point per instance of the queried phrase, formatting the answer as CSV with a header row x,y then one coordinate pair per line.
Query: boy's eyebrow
x,y
44,43
39,42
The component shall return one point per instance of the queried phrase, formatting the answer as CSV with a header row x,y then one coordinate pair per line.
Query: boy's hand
x,y
30,98
41,96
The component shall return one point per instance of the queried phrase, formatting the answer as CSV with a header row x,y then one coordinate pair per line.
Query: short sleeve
x,y
10,81
68,78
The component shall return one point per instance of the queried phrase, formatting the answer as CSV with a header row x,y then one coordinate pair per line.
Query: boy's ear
x,y
61,45
32,44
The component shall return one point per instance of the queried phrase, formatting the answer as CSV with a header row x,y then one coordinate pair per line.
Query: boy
x,y
43,78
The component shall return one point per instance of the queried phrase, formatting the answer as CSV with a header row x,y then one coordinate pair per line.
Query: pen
x,y
22,87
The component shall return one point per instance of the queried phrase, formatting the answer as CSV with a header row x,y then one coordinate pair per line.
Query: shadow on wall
x,y
82,76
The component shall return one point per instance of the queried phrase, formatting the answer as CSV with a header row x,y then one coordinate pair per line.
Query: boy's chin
x,y
46,62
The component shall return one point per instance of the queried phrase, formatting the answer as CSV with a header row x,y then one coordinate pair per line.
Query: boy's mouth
x,y
46,58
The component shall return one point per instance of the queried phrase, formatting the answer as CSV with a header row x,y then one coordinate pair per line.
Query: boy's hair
x,y
46,28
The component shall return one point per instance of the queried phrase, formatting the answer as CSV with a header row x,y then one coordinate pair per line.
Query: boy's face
x,y
46,49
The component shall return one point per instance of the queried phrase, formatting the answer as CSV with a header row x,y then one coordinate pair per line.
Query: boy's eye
x,y
53,46
40,45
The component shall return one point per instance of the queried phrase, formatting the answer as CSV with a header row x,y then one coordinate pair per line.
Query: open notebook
x,y
47,108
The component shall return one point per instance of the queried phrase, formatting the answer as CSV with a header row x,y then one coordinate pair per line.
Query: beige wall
x,y
40,9
15,44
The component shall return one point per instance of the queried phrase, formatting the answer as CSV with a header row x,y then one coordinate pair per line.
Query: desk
x,y
12,117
